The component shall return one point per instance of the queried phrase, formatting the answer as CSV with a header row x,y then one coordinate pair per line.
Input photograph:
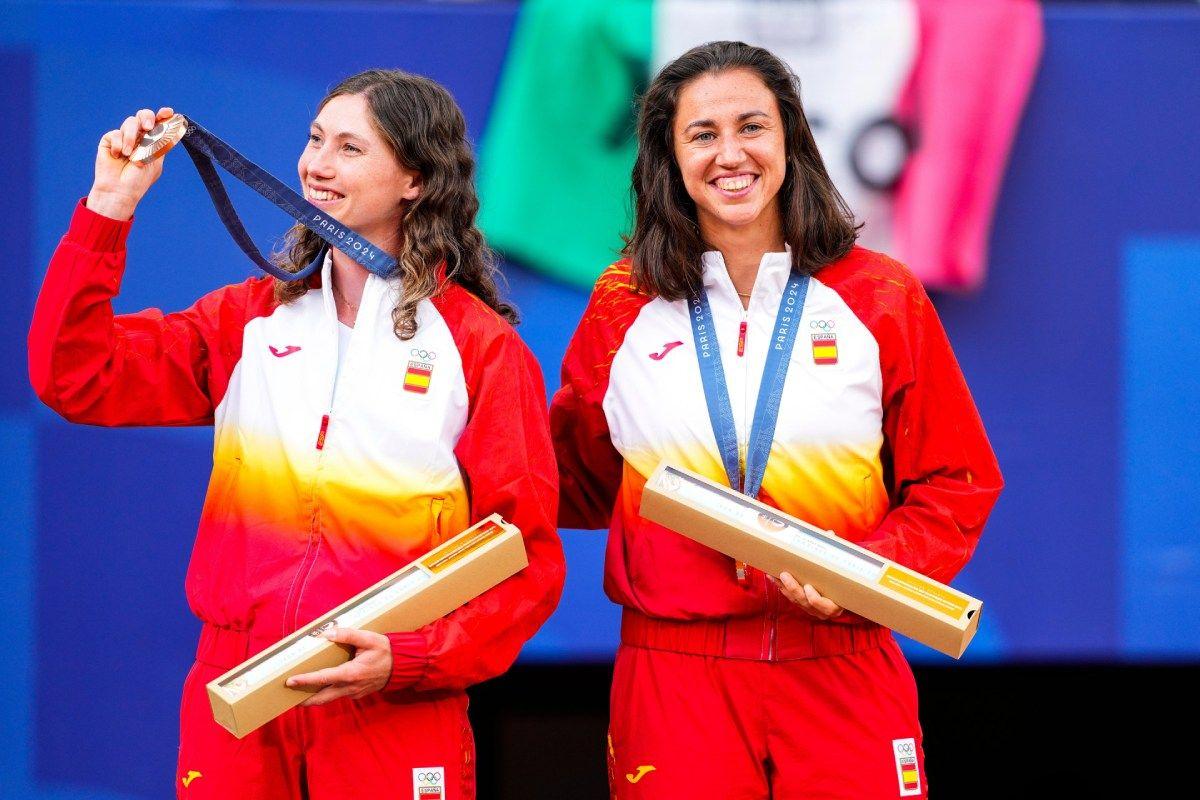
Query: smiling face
x,y
349,170
730,147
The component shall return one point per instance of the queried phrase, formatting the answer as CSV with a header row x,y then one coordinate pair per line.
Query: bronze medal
x,y
159,139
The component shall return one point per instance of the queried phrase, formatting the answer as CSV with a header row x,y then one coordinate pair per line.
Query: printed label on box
x,y
442,559
926,592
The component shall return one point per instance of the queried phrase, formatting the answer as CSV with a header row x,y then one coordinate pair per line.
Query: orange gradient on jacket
x,y
259,489
837,488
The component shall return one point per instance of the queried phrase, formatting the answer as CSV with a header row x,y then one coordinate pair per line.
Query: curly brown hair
x,y
665,245
427,133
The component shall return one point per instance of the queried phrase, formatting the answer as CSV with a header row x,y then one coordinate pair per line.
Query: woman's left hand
x,y
367,672
808,598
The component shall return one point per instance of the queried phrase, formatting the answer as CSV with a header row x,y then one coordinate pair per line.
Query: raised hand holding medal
x,y
129,161
121,182
159,139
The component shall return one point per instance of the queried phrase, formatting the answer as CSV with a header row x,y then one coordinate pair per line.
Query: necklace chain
x,y
338,294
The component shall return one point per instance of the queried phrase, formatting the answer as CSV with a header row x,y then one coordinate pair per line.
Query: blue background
x,y
1080,350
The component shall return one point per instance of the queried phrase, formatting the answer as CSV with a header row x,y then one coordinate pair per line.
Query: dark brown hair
x,y
666,245
426,131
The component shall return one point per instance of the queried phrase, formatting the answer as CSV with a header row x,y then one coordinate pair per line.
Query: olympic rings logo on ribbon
x,y
424,355
822,324
905,747
429,777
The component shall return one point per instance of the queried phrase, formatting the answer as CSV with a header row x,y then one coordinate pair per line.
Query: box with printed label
x,y
460,569
774,542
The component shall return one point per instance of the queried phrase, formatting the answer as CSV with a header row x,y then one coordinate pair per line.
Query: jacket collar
x,y
376,292
773,271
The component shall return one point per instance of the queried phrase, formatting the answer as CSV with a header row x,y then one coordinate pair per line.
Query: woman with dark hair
x,y
359,421
690,351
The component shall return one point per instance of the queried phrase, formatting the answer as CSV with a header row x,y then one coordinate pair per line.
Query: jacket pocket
x,y
874,499
440,511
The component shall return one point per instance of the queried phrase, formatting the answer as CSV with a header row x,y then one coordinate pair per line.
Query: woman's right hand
x,y
120,183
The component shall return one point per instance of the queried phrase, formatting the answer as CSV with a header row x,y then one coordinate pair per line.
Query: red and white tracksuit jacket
x,y
877,440
324,481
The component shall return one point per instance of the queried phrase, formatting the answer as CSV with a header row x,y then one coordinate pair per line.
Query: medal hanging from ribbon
x,y
770,390
205,149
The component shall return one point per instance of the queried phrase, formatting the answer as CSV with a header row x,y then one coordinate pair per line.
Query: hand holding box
x,y
455,572
851,576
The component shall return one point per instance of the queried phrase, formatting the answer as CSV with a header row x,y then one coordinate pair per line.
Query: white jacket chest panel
x,y
830,410
381,433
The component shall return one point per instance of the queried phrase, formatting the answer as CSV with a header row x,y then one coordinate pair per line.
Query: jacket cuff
x,y
95,232
410,656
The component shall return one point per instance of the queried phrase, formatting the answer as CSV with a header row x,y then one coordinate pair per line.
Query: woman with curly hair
x,y
359,421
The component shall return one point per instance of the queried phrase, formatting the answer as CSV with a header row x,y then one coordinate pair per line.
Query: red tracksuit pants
x,y
379,746
706,727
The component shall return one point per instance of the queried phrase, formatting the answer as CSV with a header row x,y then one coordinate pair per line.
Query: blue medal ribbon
x,y
205,148
770,391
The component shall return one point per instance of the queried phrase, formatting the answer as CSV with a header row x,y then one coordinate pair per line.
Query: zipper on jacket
x,y
291,609
321,433
337,375
292,616
770,618
741,568
773,622
747,410
771,592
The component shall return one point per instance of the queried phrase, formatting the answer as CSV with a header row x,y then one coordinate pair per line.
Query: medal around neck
x,y
207,151
158,140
